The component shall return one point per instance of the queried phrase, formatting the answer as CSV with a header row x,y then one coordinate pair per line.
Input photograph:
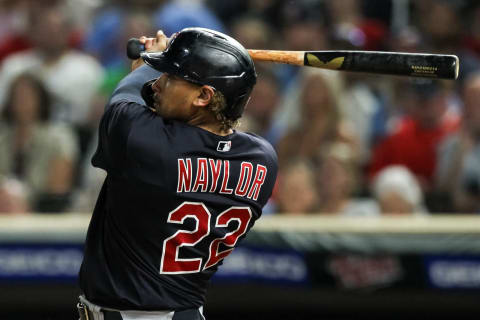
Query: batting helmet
x,y
206,57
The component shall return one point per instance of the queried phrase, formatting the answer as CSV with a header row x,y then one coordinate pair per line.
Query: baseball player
x,y
183,186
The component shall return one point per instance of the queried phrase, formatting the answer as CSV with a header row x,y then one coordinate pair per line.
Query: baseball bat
x,y
424,65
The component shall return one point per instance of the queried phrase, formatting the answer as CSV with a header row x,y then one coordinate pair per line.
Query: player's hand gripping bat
x,y
440,66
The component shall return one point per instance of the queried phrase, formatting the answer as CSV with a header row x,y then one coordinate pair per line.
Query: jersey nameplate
x,y
249,180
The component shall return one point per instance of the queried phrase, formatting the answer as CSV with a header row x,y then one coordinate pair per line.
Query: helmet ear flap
x,y
147,93
235,110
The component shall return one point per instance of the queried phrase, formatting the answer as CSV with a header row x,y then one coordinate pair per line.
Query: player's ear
x,y
205,95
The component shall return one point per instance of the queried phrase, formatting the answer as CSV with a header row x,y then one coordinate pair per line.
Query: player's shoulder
x,y
125,116
256,139
126,109
259,144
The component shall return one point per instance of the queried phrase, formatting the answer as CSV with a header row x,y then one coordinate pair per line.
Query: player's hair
x,y
217,105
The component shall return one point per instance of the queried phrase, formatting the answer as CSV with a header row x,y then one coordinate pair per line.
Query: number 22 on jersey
x,y
172,264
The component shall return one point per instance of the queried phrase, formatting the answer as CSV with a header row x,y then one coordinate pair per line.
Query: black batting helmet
x,y
208,57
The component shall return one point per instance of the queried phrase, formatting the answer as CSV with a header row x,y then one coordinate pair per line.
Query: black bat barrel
x,y
393,63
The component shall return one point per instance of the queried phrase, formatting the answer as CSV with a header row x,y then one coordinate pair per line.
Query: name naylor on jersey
x,y
249,180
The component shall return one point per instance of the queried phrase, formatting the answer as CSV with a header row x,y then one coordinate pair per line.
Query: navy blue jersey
x,y
176,201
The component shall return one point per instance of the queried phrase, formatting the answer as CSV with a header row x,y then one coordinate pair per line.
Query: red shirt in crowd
x,y
412,146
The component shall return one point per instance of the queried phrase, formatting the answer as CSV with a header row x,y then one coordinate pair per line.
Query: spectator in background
x,y
363,98
12,197
397,191
302,29
176,15
347,21
253,33
321,122
472,37
89,179
297,190
364,106
71,76
408,39
13,27
36,152
440,23
458,170
443,25
87,134
110,30
258,116
268,11
337,180
414,139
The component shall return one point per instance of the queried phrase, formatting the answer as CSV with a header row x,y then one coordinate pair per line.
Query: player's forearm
x,y
130,87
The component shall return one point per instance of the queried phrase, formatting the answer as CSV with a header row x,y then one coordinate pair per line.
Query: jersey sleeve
x,y
130,87
124,108
267,168
271,160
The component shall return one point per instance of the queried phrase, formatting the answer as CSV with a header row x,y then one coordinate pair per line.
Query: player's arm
x,y
129,89
126,107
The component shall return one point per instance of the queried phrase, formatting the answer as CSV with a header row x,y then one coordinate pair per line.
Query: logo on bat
x,y
334,64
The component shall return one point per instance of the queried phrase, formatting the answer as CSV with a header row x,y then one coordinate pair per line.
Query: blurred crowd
x,y
349,144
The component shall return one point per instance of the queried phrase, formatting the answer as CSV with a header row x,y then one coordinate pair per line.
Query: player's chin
x,y
167,112
158,105
159,110
164,113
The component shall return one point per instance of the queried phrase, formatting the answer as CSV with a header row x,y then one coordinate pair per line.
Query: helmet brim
x,y
158,61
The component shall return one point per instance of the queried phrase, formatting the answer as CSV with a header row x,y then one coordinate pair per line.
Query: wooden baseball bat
x,y
425,65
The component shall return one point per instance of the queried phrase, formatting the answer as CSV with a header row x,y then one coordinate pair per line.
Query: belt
x,y
87,314
90,311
